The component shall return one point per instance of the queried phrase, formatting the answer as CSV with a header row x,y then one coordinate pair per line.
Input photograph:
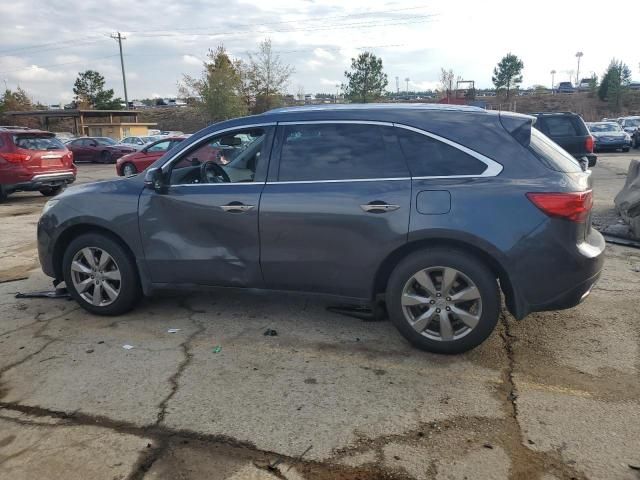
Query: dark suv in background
x,y
431,209
33,160
570,132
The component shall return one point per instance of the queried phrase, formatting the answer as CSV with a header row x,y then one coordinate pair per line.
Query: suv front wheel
x,y
443,300
100,275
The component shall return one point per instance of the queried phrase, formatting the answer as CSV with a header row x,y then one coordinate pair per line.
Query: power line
x,y
50,46
56,64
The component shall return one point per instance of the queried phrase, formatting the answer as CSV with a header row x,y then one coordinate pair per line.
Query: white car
x,y
138,142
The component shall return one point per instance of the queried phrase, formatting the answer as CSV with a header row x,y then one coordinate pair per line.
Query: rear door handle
x,y
236,207
378,206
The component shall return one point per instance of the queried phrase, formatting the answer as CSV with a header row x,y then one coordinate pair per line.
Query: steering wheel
x,y
211,172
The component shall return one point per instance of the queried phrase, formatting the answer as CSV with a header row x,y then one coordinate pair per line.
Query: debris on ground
x,y
270,332
57,293
217,349
634,467
127,347
173,330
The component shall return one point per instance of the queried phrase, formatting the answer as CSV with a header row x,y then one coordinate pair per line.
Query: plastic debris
x,y
173,330
270,332
217,349
57,293
127,347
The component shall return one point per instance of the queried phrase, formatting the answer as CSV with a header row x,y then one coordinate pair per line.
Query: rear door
x,y
336,204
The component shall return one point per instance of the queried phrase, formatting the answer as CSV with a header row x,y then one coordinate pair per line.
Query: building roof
x,y
72,113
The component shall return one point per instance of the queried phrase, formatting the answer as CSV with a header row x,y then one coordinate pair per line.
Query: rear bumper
x,y
43,180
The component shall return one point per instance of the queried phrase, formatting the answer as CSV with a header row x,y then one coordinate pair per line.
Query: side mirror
x,y
154,180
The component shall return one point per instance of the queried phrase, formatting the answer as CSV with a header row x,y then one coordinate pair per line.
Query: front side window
x,y
159,147
429,157
105,141
340,151
236,157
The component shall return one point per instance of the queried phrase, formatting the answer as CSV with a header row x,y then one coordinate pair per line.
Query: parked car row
x,y
630,125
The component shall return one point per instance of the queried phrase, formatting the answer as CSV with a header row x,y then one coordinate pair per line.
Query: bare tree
x,y
448,79
267,77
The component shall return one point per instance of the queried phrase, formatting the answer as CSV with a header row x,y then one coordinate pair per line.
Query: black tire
x,y
130,291
625,149
131,167
52,191
106,157
3,194
635,142
468,265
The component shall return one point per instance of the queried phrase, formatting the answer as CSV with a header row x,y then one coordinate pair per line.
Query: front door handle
x,y
236,207
378,206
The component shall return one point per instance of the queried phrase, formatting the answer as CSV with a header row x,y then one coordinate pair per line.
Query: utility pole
x,y
337,91
397,85
553,83
119,38
578,56
407,80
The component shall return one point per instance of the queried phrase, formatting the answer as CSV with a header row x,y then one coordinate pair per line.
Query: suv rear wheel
x,y
443,300
51,191
100,275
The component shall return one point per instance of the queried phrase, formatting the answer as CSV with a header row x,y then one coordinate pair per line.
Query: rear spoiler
x,y
518,125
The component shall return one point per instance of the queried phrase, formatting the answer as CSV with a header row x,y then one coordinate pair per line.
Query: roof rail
x,y
14,127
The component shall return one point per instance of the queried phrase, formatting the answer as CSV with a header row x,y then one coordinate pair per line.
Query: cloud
x,y
323,54
330,83
191,60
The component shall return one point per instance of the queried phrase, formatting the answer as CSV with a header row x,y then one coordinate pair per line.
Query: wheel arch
x,y
497,268
74,231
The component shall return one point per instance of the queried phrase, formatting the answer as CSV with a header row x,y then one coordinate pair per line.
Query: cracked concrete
x,y
555,396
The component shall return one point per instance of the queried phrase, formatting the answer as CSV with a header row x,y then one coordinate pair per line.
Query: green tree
x,y
220,89
17,100
614,84
593,85
366,81
265,78
89,88
508,73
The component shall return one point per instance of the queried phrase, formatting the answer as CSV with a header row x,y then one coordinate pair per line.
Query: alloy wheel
x,y
441,303
96,276
129,170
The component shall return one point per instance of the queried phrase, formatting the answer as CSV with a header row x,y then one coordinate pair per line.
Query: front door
x,y
336,205
204,228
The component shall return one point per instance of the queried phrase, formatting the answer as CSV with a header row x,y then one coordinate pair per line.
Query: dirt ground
x,y
555,396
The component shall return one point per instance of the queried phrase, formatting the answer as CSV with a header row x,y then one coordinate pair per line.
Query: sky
x,y
45,43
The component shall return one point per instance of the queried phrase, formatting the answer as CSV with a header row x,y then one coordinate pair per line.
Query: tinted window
x,y
35,142
338,152
428,157
105,141
551,154
561,127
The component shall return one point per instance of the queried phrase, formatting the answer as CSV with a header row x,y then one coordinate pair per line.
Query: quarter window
x,y
339,151
428,157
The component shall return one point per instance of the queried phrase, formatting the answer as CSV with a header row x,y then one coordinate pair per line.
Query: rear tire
x,y
3,194
625,149
106,157
52,191
467,323
115,278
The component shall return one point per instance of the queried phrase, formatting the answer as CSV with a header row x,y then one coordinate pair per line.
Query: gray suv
x,y
432,209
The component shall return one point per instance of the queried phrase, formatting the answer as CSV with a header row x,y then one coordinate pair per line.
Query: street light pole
x,y
407,80
578,56
337,91
553,83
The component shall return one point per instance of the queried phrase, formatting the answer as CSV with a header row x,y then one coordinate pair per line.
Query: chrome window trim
x,y
493,168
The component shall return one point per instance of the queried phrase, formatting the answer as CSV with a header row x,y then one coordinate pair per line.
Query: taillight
x,y
15,157
574,206
588,144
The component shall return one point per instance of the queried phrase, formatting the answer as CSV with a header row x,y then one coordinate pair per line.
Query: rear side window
x,y
428,157
551,154
338,151
35,142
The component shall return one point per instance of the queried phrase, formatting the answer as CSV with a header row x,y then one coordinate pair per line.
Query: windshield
x,y
106,141
149,139
605,127
35,142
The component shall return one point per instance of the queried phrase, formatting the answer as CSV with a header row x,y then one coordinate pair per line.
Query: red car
x,y
136,162
33,160
97,149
